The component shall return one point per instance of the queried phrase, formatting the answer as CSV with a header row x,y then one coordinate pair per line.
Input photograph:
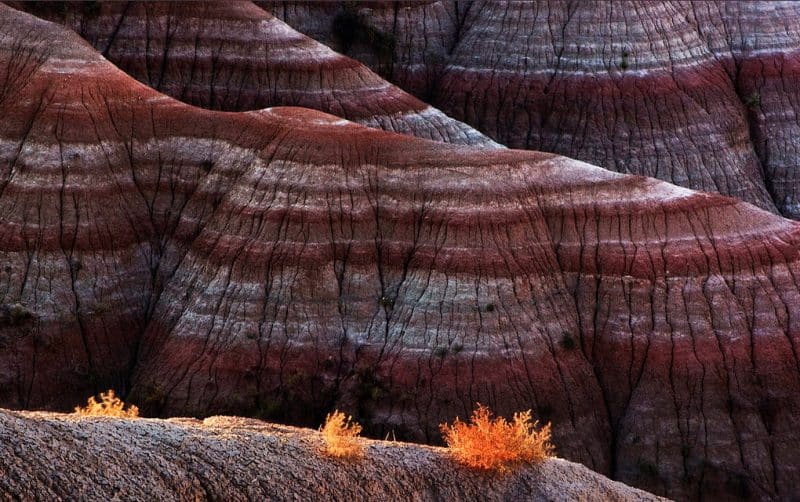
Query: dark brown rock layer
x,y
283,262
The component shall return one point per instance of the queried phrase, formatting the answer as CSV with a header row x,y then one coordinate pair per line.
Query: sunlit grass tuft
x,y
340,433
486,443
108,406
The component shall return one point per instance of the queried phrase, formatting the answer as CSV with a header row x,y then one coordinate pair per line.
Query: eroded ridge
x,y
701,94
234,56
230,458
284,261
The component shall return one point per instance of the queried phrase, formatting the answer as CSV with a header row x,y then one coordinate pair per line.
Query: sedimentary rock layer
x,y
234,56
51,456
701,94
282,262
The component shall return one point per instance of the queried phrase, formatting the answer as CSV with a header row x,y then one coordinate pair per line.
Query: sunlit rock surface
x,y
51,456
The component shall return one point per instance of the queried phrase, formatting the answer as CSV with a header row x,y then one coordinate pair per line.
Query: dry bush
x,y
340,433
488,443
109,406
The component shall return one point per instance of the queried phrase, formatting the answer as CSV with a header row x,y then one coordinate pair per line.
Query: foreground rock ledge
x,y
50,456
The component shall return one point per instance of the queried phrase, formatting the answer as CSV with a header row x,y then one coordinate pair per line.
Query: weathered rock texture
x,y
46,456
284,261
234,56
701,94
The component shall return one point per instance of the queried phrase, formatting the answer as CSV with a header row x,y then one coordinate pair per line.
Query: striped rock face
x,y
701,94
234,56
282,262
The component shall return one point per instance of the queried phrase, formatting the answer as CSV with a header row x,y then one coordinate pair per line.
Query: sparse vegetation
x,y
487,443
375,393
153,397
623,64
340,433
108,406
14,314
567,342
369,388
752,100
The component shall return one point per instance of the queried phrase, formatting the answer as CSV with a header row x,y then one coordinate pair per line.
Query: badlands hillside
x,y
214,214
702,94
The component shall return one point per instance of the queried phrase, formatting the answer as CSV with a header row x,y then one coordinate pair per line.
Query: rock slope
x,y
282,262
45,456
234,56
701,94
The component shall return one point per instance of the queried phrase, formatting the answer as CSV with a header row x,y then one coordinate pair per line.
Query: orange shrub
x,y
109,406
340,433
488,443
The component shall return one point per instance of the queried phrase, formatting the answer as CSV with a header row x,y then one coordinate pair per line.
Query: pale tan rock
x,y
48,456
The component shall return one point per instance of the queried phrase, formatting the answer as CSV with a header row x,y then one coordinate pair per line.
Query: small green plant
x,y
440,352
623,64
752,100
567,342
296,380
456,348
369,388
14,314
153,397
